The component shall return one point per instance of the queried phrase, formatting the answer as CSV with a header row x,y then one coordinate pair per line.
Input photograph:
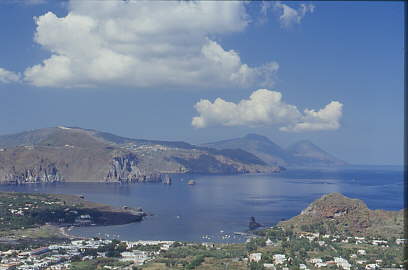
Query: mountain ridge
x,y
76,154
300,154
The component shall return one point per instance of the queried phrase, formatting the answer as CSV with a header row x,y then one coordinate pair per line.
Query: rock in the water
x,y
253,224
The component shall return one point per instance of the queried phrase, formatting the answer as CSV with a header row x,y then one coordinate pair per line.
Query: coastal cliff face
x,y
124,168
334,213
41,173
79,155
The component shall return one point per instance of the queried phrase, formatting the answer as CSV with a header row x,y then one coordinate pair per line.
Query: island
x,y
72,154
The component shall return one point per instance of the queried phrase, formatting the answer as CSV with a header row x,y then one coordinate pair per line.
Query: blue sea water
x,y
219,205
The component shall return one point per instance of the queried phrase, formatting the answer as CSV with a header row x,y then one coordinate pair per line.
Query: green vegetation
x,y
98,263
297,248
190,256
113,249
24,210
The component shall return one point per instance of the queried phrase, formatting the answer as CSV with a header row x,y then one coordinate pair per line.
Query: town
x,y
273,248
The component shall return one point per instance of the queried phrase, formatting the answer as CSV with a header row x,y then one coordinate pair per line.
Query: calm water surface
x,y
219,205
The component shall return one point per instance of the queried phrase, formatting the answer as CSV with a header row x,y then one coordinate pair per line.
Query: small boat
x,y
191,182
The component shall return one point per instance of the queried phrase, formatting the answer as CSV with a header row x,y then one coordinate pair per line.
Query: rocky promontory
x,y
335,213
32,210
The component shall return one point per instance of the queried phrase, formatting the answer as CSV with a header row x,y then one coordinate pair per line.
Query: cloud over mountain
x,y
265,107
144,44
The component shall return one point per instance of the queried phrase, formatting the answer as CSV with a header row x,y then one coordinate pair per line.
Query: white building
x,y
321,243
255,257
379,242
279,258
302,266
136,256
320,264
372,266
400,241
269,242
315,260
269,266
361,252
343,263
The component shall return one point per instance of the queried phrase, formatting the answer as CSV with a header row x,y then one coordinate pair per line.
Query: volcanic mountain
x,y
303,153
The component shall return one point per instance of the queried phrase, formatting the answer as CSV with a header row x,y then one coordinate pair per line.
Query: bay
x,y
219,205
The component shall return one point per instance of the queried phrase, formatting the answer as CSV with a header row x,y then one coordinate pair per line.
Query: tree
x,y
256,266
250,246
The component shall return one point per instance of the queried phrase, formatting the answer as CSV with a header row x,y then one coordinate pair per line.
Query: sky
x,y
202,71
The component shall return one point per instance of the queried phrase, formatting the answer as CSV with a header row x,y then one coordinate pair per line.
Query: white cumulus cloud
x,y
327,118
8,76
265,107
144,44
289,15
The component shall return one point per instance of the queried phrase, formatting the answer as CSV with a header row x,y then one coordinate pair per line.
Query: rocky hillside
x,y
336,214
303,153
75,154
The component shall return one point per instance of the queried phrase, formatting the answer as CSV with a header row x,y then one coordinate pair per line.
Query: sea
x,y
218,207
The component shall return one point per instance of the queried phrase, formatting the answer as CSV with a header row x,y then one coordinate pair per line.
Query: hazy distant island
x,y
300,154
82,155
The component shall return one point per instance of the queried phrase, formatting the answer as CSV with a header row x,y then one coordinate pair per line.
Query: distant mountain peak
x,y
306,151
302,153
257,137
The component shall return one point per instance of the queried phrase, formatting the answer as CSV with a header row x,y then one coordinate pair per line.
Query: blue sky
x,y
345,52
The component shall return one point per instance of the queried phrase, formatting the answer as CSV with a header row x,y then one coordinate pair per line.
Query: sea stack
x,y
253,224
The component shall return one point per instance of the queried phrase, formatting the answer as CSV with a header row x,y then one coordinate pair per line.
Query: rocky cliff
x,y
40,173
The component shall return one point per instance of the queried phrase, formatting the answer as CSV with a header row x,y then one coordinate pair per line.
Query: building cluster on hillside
x,y
60,256
146,147
19,210
356,261
134,253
